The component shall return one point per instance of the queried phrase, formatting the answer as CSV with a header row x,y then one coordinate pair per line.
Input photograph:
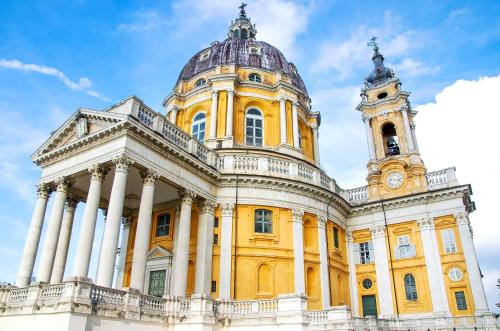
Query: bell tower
x,y
395,167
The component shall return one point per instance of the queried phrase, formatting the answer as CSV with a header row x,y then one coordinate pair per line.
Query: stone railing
x,y
441,179
276,166
202,312
356,195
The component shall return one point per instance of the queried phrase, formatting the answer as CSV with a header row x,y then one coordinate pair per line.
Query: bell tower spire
x,y
242,27
395,167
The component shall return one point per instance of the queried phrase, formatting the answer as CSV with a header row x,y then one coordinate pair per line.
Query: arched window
x,y
198,130
237,33
410,288
390,139
263,221
200,82
244,34
255,78
254,127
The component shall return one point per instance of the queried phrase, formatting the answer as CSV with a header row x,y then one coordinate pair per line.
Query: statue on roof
x,y
242,9
380,73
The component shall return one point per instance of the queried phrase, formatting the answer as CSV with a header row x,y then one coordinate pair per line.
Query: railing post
x,y
292,311
131,303
338,318
263,164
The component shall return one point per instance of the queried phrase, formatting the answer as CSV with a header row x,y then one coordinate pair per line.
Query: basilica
x,y
219,215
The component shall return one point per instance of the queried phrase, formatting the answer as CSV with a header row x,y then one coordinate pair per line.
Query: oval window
x,y
382,95
367,284
455,274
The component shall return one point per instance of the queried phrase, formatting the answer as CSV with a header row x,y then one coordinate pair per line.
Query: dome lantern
x,y
242,27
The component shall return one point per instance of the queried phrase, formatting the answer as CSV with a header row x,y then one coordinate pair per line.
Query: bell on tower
x,y
390,131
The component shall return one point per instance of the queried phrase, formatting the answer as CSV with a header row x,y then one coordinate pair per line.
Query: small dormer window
x,y
200,82
254,50
255,78
244,34
204,55
236,33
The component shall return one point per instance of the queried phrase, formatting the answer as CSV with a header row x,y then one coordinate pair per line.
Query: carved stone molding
x,y
43,191
426,223
377,231
462,218
350,237
72,200
122,163
208,207
227,209
63,184
321,222
98,172
149,177
187,196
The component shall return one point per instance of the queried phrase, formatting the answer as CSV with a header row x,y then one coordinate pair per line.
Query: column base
x,y
227,142
211,143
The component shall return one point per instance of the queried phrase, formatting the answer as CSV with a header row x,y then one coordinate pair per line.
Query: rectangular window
x,y
163,225
214,286
157,283
405,249
216,239
336,237
364,253
216,222
263,222
449,243
460,298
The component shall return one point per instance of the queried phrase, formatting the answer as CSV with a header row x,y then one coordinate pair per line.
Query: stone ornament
x,y
149,177
350,237
426,223
72,201
462,218
43,191
377,231
63,184
297,215
227,209
82,126
208,207
122,163
98,172
187,196
322,221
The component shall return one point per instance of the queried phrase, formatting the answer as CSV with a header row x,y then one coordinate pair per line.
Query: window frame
x,y
254,118
336,243
410,285
462,301
256,77
197,123
200,82
263,221
449,241
365,253
167,225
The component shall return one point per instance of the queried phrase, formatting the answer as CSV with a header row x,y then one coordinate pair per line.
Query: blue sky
x,y
56,56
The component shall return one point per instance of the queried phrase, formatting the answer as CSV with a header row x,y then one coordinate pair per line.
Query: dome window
x,y
382,95
255,50
255,78
200,82
244,34
254,125
204,55
236,33
198,129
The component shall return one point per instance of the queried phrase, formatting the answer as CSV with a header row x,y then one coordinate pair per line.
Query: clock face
x,y
394,180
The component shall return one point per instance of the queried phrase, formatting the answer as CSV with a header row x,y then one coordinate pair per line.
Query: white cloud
x,y
84,84
460,128
413,68
344,56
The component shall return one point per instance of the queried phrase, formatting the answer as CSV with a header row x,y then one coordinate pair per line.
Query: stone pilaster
x,y
283,121
225,251
352,275
384,285
298,251
203,275
323,257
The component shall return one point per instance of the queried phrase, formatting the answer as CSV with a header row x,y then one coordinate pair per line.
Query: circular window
x,y
367,284
382,95
455,274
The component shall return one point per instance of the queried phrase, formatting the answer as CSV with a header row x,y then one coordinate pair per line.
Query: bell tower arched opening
x,y
390,139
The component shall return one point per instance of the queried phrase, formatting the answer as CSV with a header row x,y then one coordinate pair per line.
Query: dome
x,y
236,51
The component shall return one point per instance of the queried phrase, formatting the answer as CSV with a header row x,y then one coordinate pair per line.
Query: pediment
x,y
158,252
81,125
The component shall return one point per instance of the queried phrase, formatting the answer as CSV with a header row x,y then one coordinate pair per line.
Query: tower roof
x,y
380,73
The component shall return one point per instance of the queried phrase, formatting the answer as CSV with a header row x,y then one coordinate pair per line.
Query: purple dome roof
x,y
236,51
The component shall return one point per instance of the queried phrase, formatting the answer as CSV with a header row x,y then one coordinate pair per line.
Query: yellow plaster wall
x,y
312,261
450,260
307,139
338,266
221,114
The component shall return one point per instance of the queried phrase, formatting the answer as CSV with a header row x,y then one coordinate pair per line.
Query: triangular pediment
x,y
81,125
158,252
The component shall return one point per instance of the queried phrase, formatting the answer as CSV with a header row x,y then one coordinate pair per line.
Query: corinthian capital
x,y
350,237
187,196
208,207
227,209
43,191
122,163
149,177
462,218
321,221
377,231
98,172
297,215
425,223
72,200
63,184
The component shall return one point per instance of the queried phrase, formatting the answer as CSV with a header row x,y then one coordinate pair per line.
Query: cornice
x,y
411,200
388,100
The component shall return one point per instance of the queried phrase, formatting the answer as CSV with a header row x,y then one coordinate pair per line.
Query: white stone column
x,y
173,115
182,250
384,285
283,121
352,276
213,115
123,252
369,138
229,118
112,227
143,232
315,144
52,235
226,244
295,124
63,242
434,269
87,230
476,282
298,251
323,257
177,222
203,275
414,136
406,123
33,239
